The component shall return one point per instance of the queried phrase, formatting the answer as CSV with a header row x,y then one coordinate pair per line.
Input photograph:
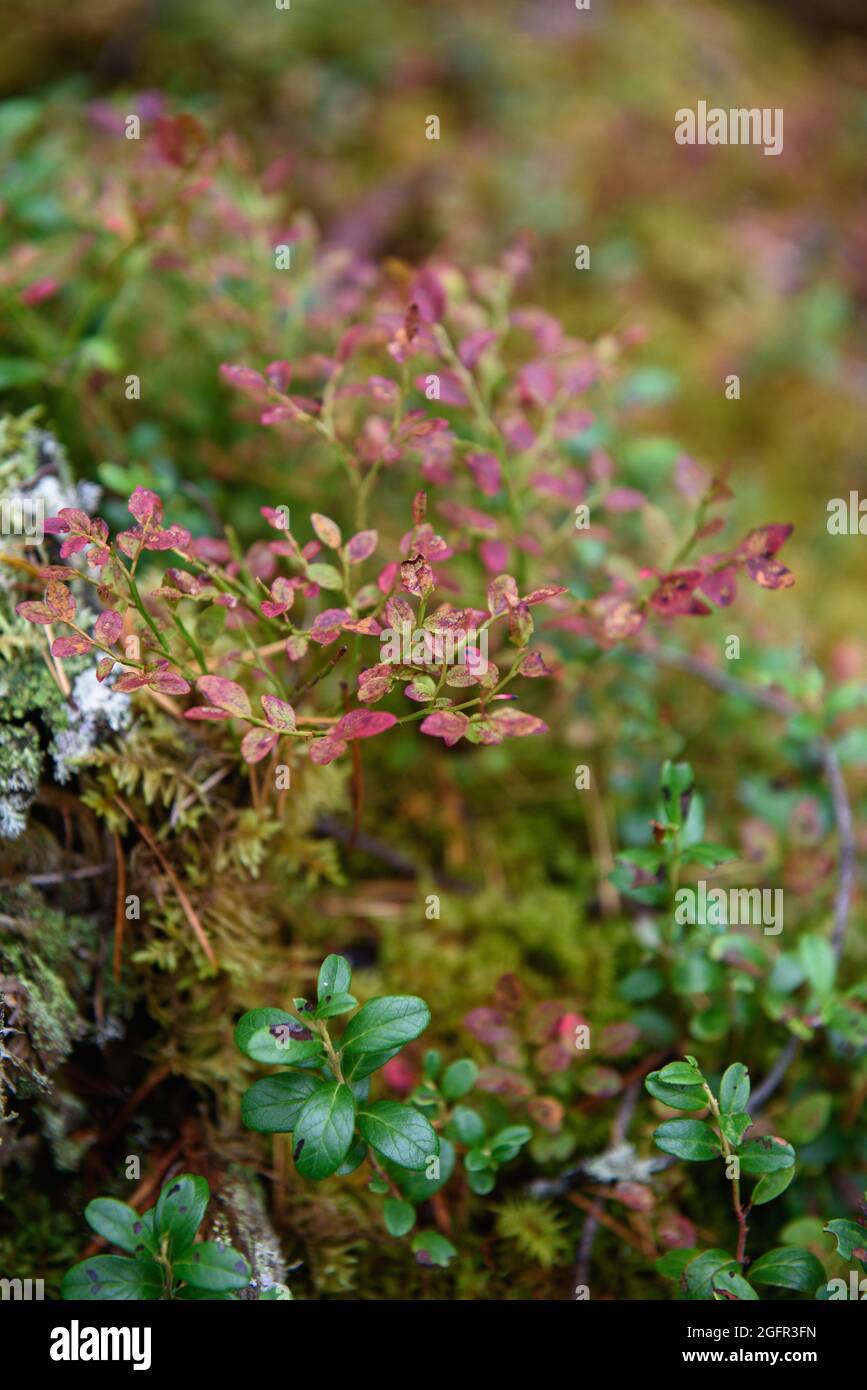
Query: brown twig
x,y
119,904
189,910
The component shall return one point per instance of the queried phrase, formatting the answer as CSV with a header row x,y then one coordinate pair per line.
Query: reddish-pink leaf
x,y
130,680
360,546
104,667
257,744
146,507
765,540
720,586
279,713
35,612
486,471
325,750
364,723
108,627
417,576
70,646
502,594
168,683
769,573
514,723
449,725
225,694
206,712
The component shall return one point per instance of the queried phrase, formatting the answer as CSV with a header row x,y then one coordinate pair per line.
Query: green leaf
x,y
466,1125
699,1274
20,371
120,1225
508,1142
674,1262
481,1182
709,855
771,1185
849,1237
399,1133
729,1282
678,1097
431,1064
680,1074
323,1131
690,1139
809,1117
459,1078
216,1268
179,1211
336,1004
273,1104
354,1159
734,1091
112,1277
819,963
399,1217
734,1127
335,977
477,1160
788,1268
379,1030
326,576
417,1186
767,1154
676,787
640,984
254,1036
430,1248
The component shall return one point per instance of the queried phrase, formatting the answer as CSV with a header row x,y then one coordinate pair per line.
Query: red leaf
x,y
257,744
770,573
325,750
35,613
108,627
449,725
364,723
225,694
360,546
206,712
327,530
70,646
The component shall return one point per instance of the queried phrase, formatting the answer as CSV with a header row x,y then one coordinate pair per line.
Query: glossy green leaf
x,y
680,1074
272,1105
215,1268
809,1117
788,1268
334,1005
677,1097
266,1036
112,1277
698,1275
689,1139
354,1159
180,1210
416,1186
771,1185
674,1262
734,1091
399,1217
399,1133
385,1024
335,977
120,1225
508,1142
323,1131
851,1239
734,1127
466,1126
730,1283
767,1154
459,1078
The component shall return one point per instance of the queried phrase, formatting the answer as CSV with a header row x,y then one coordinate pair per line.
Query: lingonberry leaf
x,y
323,1130
399,1133
215,1268
272,1105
